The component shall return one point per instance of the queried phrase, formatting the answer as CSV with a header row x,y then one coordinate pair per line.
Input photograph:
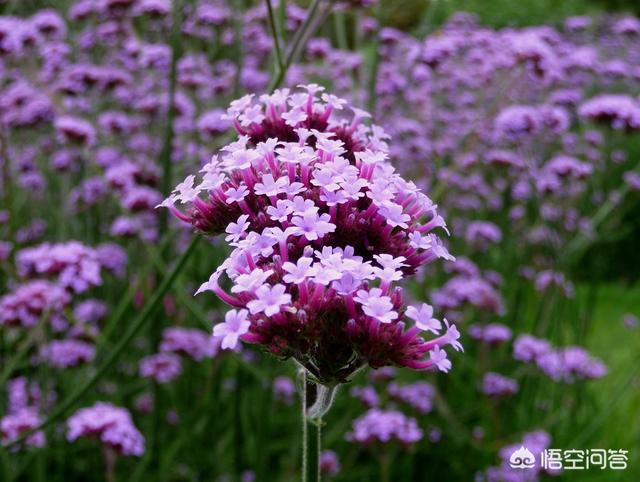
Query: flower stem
x,y
318,448
7,181
314,448
323,396
134,328
296,45
305,428
276,36
167,144
323,401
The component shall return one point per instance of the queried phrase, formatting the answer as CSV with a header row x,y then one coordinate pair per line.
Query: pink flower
x,y
270,186
439,359
236,230
299,272
269,300
376,306
424,319
312,226
236,195
235,325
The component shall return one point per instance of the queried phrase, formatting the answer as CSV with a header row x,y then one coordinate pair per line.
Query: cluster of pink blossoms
x,y
75,266
112,425
384,426
322,228
28,302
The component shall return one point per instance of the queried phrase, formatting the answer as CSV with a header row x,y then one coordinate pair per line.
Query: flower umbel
x,y
323,229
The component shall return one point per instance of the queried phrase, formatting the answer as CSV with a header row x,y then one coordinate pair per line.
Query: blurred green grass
x,y
616,422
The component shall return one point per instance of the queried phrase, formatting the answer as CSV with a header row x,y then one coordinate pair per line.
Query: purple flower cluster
x,y
195,344
565,364
418,395
111,425
367,395
73,265
22,414
496,385
162,367
329,463
284,390
385,426
492,333
322,229
621,111
67,353
30,301
13,425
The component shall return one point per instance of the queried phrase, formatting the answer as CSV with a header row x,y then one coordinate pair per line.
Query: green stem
x,y
295,45
375,62
8,182
21,351
134,328
167,146
339,23
318,448
581,242
385,468
314,447
275,35
305,427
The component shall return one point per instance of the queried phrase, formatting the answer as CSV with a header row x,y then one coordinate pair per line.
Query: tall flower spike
x,y
323,229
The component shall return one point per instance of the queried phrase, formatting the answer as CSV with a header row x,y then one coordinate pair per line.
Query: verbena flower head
x,y
418,395
621,111
329,463
562,364
492,333
111,425
496,385
367,395
13,425
385,426
191,342
67,353
323,230
284,389
162,367
74,265
25,305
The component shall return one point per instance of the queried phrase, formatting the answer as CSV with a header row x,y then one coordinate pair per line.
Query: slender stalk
x,y
385,468
340,24
581,242
134,328
275,35
318,448
109,458
296,45
237,31
305,428
7,181
167,145
21,351
121,309
375,62
313,473
155,330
